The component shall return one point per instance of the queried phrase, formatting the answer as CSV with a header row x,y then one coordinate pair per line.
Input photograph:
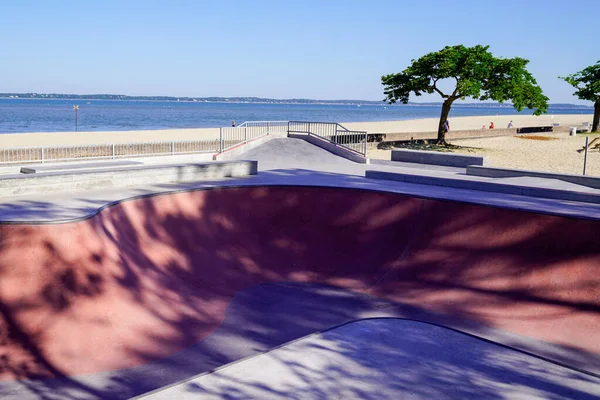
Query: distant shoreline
x,y
256,100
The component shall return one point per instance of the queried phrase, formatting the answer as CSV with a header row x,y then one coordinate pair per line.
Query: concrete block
x,y
488,172
44,182
437,158
32,169
457,183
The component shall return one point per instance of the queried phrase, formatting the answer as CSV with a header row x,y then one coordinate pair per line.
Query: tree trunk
x,y
596,115
441,138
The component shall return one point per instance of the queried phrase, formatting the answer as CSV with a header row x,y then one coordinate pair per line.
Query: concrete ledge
x,y
331,147
486,186
488,172
452,135
44,182
436,158
32,169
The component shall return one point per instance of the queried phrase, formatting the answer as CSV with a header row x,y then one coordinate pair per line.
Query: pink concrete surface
x,y
149,277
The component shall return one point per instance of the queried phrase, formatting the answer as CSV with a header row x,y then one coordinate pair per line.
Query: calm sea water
x,y
23,115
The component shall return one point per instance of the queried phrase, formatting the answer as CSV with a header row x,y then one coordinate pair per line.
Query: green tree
x,y
475,72
587,83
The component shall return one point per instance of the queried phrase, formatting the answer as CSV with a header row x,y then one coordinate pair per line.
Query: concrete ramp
x,y
291,153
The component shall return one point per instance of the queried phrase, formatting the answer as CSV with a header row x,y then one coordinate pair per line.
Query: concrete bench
x,y
44,182
459,183
437,158
32,169
488,172
535,129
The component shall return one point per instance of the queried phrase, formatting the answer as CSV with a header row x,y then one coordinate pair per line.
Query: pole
x,y
76,108
587,138
220,140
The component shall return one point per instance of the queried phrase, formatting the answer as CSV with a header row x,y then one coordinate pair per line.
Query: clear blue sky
x,y
280,48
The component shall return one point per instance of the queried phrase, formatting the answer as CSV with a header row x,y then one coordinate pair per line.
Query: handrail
x,y
247,131
333,132
244,124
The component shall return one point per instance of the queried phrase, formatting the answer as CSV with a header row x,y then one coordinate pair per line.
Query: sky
x,y
279,49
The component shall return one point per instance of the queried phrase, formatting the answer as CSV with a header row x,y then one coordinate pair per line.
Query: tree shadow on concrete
x,y
169,266
390,359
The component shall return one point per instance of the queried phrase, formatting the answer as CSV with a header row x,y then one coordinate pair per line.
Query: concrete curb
x,y
436,158
44,182
331,147
489,172
556,194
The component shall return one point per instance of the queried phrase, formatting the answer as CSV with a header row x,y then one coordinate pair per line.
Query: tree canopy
x,y
476,73
587,83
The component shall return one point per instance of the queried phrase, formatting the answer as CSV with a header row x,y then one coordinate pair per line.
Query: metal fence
x,y
233,136
104,151
334,133
229,137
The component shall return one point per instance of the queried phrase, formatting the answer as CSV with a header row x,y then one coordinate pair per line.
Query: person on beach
x,y
510,125
492,125
233,123
483,127
446,126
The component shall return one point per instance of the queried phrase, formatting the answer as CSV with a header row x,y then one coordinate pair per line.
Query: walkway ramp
x,y
281,153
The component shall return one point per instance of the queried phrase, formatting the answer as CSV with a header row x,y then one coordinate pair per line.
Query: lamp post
x,y
76,108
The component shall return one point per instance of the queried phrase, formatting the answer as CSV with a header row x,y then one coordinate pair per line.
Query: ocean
x,y
37,115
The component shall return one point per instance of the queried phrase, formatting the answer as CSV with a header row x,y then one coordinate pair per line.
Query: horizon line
x,y
256,98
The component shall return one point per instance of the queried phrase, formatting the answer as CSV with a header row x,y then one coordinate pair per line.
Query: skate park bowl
x,y
152,291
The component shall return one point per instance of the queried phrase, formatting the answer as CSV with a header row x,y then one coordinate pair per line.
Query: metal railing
x,y
229,137
104,151
250,130
333,132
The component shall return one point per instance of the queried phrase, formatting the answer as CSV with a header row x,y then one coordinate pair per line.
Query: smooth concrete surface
x,y
134,298
388,359
436,158
330,147
489,172
65,207
32,169
291,153
586,196
402,165
78,179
